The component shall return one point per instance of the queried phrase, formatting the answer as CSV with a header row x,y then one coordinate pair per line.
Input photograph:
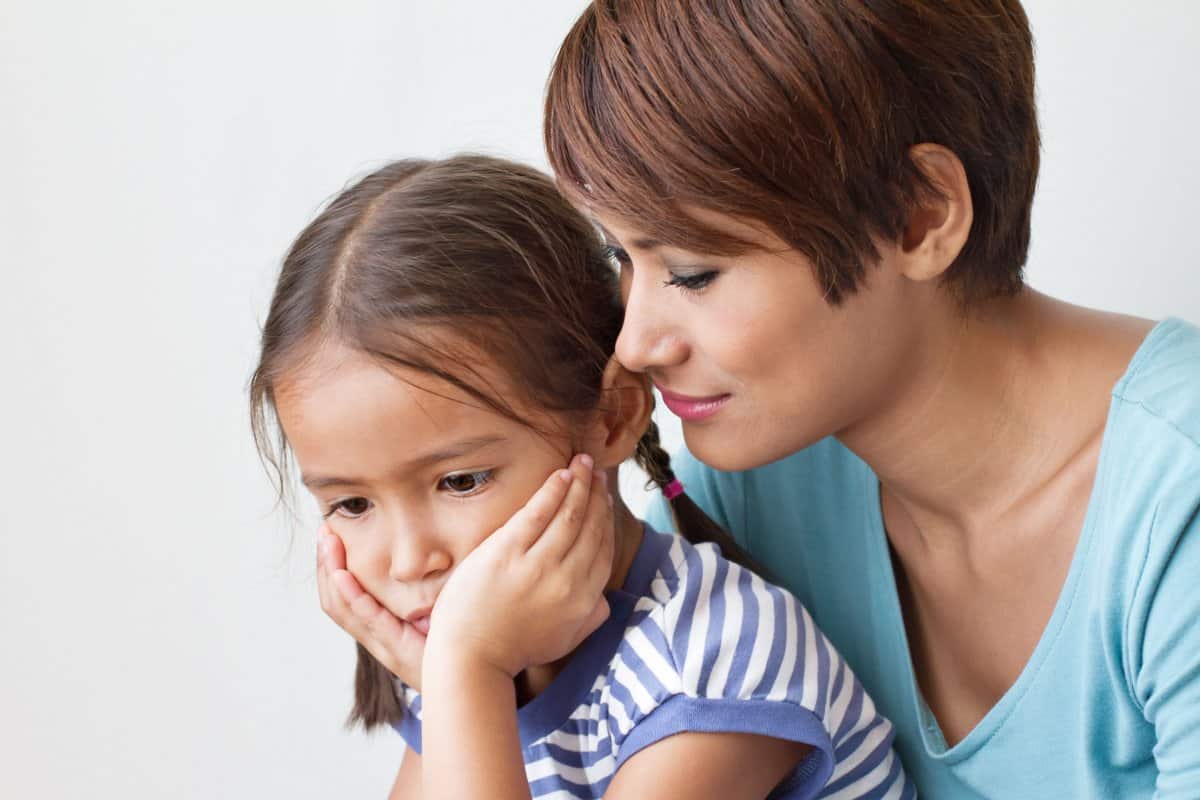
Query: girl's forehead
x,y
347,395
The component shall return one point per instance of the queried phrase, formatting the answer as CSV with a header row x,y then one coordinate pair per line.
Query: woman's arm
x,y
707,766
1167,652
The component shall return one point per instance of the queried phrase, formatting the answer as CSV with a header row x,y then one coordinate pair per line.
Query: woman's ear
x,y
626,402
938,227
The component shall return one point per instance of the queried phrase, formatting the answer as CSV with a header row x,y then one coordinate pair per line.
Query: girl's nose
x,y
648,340
416,557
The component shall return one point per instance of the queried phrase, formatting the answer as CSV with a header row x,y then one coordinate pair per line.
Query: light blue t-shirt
x,y
1108,706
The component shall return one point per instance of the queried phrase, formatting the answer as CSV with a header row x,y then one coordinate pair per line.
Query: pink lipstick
x,y
693,409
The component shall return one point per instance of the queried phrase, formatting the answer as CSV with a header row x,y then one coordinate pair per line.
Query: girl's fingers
x,y
596,526
383,633
531,519
601,567
328,594
356,611
335,600
567,523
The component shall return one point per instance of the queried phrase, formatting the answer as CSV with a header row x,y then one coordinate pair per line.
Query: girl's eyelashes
x,y
351,507
693,281
465,484
458,484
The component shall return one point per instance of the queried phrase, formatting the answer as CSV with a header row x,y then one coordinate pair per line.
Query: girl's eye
x,y
691,282
465,484
616,256
351,507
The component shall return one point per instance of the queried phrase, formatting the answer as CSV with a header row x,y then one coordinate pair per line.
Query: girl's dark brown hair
x,y
427,265
800,115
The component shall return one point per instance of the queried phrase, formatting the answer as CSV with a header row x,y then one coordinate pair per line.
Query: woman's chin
x,y
718,451
730,449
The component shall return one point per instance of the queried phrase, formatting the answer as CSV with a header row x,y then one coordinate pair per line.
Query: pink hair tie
x,y
673,490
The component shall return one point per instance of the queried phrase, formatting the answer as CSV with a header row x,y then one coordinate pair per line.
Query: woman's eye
x,y
351,507
691,282
464,484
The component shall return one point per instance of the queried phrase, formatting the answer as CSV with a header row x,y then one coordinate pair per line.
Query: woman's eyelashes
x,y
691,281
617,256
465,484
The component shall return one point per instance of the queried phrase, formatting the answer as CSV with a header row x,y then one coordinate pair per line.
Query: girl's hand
x,y
358,613
532,591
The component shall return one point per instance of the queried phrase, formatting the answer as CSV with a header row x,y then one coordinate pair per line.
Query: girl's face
x,y
747,352
411,473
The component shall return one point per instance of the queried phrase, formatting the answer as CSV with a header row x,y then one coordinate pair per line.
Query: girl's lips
x,y
693,409
420,623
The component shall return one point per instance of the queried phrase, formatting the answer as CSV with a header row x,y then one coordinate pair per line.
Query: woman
x,y
989,499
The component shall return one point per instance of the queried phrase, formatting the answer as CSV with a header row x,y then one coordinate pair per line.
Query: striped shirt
x,y
697,643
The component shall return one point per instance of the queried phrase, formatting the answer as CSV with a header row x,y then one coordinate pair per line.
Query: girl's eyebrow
x,y
454,450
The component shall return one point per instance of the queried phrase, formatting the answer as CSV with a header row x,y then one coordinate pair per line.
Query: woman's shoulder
x,y
1149,479
1158,398
1145,513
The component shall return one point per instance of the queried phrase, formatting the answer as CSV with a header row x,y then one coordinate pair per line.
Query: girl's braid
x,y
695,525
652,458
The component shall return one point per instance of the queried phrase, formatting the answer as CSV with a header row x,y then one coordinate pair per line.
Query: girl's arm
x,y
707,766
719,766
408,779
527,595
469,732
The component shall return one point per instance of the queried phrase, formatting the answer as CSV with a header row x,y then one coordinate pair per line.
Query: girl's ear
x,y
626,401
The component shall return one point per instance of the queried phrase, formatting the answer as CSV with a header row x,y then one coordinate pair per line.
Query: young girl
x,y
437,348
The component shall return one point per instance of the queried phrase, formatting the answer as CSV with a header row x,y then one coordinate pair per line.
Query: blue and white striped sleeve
x,y
747,658
409,725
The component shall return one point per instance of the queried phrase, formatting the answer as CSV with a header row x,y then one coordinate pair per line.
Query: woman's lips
x,y
693,409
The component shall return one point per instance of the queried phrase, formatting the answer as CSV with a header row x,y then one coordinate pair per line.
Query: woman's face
x,y
411,474
747,352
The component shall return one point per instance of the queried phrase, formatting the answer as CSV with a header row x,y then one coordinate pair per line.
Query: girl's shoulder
x,y
724,632
711,646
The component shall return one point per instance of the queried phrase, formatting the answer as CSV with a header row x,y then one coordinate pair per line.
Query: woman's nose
x,y
648,340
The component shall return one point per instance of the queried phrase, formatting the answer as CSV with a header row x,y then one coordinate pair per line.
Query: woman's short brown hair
x,y
800,115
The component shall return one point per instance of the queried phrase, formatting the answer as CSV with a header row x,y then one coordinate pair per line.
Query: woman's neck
x,y
997,403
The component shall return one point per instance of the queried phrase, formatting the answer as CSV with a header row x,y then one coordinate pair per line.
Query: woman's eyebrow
x,y
453,450
643,243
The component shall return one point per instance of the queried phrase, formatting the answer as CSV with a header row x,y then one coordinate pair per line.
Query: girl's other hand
x,y
534,590
358,613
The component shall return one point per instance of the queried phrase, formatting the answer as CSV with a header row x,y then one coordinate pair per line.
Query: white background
x,y
159,630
